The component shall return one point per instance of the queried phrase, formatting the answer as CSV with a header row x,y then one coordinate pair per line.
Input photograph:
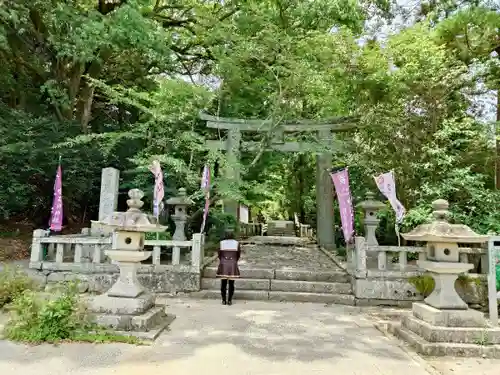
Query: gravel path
x,y
253,338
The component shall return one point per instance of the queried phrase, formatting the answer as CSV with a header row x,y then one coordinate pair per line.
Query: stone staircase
x,y
285,268
283,285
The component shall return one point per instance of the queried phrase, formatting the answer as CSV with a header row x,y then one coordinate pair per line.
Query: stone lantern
x,y
126,305
444,325
442,255
370,209
180,203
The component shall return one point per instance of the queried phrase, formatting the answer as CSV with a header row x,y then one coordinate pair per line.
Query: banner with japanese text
x,y
205,186
56,214
387,186
159,190
341,182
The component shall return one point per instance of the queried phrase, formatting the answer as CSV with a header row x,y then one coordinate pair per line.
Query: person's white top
x,y
229,245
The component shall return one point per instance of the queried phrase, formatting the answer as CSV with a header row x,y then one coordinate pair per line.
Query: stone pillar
x,y
108,202
197,251
232,172
324,197
37,247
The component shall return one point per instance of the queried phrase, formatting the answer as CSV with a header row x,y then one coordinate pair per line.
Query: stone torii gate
x,y
324,189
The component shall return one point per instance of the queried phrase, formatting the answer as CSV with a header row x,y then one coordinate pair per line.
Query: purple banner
x,y
341,182
158,192
56,215
205,185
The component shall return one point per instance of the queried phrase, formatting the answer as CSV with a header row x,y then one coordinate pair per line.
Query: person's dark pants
x,y
224,289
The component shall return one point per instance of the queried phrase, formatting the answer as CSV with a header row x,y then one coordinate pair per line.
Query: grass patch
x,y
13,282
58,318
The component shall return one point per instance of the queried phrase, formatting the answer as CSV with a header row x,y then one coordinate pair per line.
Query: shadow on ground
x,y
269,331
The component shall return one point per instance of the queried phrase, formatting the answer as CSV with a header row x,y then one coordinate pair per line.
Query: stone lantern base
x,y
458,333
137,317
126,307
444,295
444,325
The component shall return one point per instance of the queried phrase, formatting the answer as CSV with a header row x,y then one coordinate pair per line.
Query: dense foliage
x,y
117,83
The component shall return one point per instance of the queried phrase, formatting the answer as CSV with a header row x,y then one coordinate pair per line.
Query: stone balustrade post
x,y
86,250
36,246
197,250
360,254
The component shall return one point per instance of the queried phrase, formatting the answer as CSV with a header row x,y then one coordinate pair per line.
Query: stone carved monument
x,y
110,181
126,305
108,202
444,325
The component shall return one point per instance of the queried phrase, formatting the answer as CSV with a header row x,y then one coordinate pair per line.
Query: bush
x,y
424,284
13,282
35,319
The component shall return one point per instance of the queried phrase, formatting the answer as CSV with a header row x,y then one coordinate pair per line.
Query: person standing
x,y
228,271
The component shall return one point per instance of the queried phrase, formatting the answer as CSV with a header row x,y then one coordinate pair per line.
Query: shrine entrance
x,y
277,137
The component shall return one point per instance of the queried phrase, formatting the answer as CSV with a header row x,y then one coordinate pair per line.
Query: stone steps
x,y
457,335
336,276
292,285
439,349
274,285
278,296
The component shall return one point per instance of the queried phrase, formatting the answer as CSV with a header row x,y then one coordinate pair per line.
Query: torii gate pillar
x,y
324,198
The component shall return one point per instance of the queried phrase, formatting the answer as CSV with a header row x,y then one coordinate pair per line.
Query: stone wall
x,y
385,288
394,289
162,279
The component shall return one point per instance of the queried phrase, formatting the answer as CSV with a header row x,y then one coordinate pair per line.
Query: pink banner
x,y
341,182
159,191
205,185
387,186
56,215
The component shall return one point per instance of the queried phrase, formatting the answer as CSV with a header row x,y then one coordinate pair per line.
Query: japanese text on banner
x,y
387,186
56,215
205,185
159,191
341,182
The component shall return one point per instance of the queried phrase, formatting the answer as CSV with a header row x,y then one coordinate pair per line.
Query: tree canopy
x,y
121,82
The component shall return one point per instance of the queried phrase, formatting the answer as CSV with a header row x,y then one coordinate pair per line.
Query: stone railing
x,y
378,278
363,258
304,230
250,229
85,252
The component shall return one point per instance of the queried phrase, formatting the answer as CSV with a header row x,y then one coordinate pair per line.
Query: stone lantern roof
x,y
441,231
370,203
180,199
133,220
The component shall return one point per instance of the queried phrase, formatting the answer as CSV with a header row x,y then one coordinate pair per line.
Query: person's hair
x,y
229,235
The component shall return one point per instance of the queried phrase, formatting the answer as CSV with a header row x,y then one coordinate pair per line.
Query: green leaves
x,y
118,84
